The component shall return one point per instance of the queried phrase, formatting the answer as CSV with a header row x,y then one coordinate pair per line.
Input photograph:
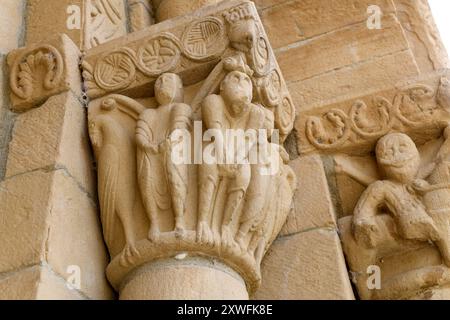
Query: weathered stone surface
x,y
168,9
41,71
11,22
308,265
353,80
20,285
75,239
230,212
54,135
141,14
349,189
422,34
24,212
58,224
42,26
35,283
291,21
348,46
87,22
164,280
53,287
261,4
313,207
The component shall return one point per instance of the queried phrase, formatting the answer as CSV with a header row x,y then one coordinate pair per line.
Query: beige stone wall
x,y
50,228
47,181
327,54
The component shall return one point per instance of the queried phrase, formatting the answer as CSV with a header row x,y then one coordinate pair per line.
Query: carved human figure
x,y
232,109
163,184
399,159
114,149
435,189
255,200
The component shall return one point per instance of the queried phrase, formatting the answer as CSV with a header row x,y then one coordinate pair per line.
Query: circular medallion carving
x,y
204,39
115,71
269,89
261,56
285,115
159,54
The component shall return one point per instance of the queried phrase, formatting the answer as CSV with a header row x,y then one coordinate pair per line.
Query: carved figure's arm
x,y
370,201
143,136
181,117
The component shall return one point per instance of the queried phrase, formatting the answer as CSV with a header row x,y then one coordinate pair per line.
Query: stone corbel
x,y
392,145
43,70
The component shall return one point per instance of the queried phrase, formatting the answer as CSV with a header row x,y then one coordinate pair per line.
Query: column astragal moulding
x,y
211,71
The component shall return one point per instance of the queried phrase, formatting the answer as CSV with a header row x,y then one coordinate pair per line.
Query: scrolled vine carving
x,y
415,105
27,76
411,108
369,125
330,134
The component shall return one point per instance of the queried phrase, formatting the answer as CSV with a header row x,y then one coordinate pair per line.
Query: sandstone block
x,y
65,18
24,212
87,22
11,24
352,125
53,135
313,207
43,70
57,223
291,21
353,80
422,34
75,238
343,47
307,265
35,283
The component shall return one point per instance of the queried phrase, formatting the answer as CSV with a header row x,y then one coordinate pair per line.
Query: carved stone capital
x,y
43,70
192,46
209,73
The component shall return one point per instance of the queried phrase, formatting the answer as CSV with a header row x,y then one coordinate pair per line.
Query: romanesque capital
x,y
166,105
